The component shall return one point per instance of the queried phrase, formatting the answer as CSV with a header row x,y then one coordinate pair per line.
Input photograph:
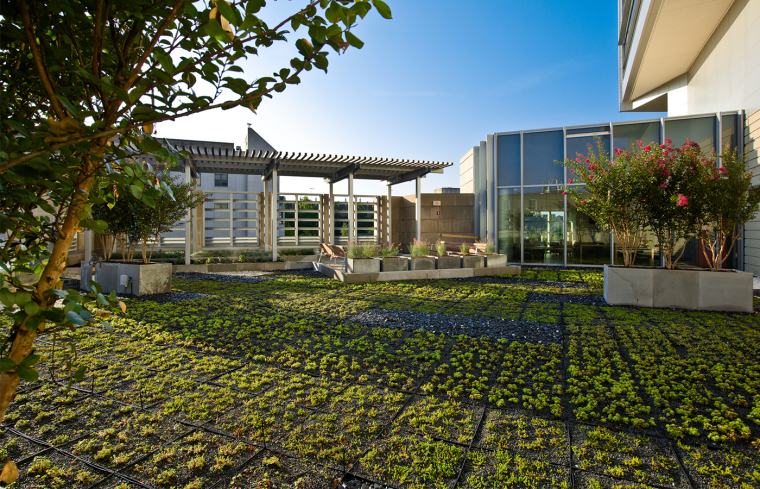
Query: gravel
x,y
173,296
588,300
521,331
231,277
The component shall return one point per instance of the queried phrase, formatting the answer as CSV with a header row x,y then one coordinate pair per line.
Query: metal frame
x,y
231,241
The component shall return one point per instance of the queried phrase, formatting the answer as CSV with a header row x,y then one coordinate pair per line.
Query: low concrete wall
x,y
694,289
421,263
395,264
357,278
364,265
496,261
475,261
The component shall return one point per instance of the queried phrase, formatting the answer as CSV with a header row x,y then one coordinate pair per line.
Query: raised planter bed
x,y
421,263
395,264
695,289
449,262
494,261
473,261
146,278
363,265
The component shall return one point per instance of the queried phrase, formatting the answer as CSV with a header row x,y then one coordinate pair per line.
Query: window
x,y
540,151
221,206
220,179
508,160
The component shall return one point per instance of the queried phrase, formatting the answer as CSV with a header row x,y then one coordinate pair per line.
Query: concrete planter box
x,y
395,263
421,263
495,261
473,261
363,265
449,261
299,258
694,289
147,279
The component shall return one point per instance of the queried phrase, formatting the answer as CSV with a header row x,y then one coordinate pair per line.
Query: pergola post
x,y
331,215
275,191
263,217
351,229
188,222
389,228
418,209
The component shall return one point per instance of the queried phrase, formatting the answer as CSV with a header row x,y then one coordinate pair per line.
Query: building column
x,y
390,217
351,208
264,218
188,222
418,209
330,213
273,210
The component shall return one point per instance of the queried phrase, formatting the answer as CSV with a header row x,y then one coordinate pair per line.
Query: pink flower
x,y
588,160
583,202
578,160
722,170
569,180
647,148
564,193
662,146
618,151
668,141
665,172
682,200
640,144
591,177
662,186
572,171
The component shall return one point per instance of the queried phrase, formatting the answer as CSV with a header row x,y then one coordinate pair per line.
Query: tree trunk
x,y
23,342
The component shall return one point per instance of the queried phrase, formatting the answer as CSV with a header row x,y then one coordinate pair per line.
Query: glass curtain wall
x,y
587,242
547,222
509,207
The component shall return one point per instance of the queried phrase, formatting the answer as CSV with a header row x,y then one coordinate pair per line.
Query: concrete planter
x,y
448,262
299,258
473,261
146,279
364,265
694,289
395,263
421,263
495,261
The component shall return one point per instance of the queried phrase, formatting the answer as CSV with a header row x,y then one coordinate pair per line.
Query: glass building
x,y
518,187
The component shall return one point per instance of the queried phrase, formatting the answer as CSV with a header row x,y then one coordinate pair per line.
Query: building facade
x,y
697,60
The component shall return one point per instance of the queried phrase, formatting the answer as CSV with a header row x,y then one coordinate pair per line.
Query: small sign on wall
x,y
436,203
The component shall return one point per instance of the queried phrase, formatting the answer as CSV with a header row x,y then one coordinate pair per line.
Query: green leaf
x,y
353,40
74,318
30,360
6,364
79,374
31,308
18,128
7,298
383,9
27,373
22,298
136,191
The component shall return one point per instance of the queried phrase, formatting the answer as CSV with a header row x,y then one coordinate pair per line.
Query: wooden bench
x,y
455,247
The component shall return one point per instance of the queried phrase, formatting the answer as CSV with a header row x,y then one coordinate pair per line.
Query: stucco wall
x,y
466,172
726,74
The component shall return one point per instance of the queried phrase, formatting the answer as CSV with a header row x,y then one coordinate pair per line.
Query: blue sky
x,y
432,82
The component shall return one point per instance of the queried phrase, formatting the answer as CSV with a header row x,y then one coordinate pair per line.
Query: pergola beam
x,y
409,176
273,166
343,173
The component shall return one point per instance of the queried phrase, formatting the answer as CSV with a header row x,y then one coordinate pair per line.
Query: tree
x,y
82,85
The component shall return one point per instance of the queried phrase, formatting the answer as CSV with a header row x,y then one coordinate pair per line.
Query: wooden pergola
x,y
271,165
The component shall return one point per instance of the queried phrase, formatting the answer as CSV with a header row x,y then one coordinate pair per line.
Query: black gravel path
x,y
522,331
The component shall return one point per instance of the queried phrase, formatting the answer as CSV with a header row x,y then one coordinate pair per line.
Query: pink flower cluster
x,y
682,200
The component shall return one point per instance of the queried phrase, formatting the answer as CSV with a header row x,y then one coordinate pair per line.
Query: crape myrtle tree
x,y
82,84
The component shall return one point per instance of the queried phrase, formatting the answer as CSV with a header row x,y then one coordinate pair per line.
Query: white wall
x,y
726,74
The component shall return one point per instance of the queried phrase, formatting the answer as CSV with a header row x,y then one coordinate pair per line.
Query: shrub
x,y
464,248
354,250
440,247
389,251
419,248
369,250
